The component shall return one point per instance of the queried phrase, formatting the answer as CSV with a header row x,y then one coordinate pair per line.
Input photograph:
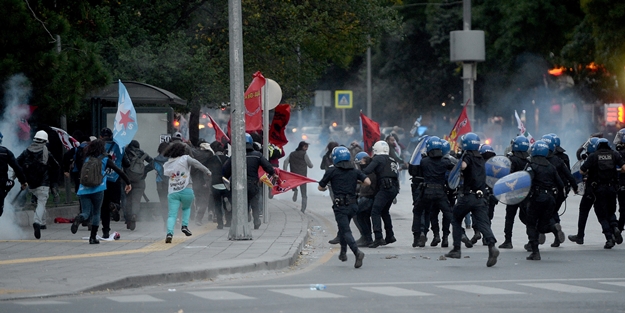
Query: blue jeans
x,y
91,206
184,197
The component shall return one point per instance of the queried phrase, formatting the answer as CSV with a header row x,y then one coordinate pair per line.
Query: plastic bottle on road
x,y
317,287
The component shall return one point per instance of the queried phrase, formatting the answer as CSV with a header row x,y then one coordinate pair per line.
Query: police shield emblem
x,y
513,188
454,176
415,159
496,168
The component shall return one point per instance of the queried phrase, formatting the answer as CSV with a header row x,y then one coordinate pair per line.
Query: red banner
x,y
370,132
461,127
285,181
281,116
219,133
253,104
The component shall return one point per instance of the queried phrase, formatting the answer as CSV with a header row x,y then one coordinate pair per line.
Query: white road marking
x,y
481,290
620,283
134,298
307,293
565,288
220,295
40,302
393,291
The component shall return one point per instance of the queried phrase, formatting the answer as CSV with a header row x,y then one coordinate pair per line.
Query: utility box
x,y
467,46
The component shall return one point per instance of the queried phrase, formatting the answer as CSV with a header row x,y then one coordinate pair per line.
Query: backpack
x,y
33,168
158,166
91,172
137,168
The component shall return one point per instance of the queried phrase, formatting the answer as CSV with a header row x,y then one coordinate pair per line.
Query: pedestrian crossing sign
x,y
343,99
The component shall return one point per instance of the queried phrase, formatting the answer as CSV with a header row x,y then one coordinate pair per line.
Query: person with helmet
x,y
603,182
343,178
582,152
546,185
433,195
7,158
366,194
254,160
386,170
567,178
472,199
487,152
451,197
619,141
41,171
299,162
111,203
519,158
588,199
559,151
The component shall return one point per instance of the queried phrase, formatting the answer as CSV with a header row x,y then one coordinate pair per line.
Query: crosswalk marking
x,y
480,290
307,293
565,288
41,302
220,295
135,298
621,283
393,291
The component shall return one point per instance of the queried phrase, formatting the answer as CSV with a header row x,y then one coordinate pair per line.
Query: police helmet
x,y
556,139
520,143
620,136
360,155
248,138
551,142
445,146
592,145
433,143
486,148
540,148
602,143
470,141
340,154
380,147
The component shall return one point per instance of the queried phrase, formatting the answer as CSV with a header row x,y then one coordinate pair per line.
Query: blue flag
x,y
125,120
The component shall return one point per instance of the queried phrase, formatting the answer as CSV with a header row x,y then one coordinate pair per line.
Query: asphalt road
x,y
394,278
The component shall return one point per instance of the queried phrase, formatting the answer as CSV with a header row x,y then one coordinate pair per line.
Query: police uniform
x,y
473,199
546,185
343,179
601,167
433,196
518,161
621,190
588,198
366,195
386,170
568,183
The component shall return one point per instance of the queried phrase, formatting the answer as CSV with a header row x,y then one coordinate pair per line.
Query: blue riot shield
x,y
455,174
513,188
579,178
415,159
496,168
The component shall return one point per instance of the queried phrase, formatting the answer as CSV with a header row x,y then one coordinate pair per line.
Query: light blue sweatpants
x,y
184,197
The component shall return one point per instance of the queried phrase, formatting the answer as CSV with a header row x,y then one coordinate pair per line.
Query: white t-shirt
x,y
179,172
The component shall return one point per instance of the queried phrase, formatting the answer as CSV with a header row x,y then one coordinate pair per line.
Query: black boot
x,y
466,241
445,242
435,241
335,240
415,240
535,256
493,253
507,244
477,236
77,220
422,240
454,253
343,254
93,240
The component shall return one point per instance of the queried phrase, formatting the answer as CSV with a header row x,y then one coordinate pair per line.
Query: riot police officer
x,y
619,141
343,179
433,192
473,199
559,152
518,160
600,167
546,185
487,152
366,194
588,199
565,175
451,198
386,170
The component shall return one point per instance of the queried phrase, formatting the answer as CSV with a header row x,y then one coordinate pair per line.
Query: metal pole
x,y
66,181
265,189
468,68
369,77
240,228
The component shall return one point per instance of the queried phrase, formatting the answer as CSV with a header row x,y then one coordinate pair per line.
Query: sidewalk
x,y
63,263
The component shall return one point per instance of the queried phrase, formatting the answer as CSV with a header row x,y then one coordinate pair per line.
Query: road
x,y
394,278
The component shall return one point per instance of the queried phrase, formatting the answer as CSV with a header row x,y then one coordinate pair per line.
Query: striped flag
x,y
522,129
68,141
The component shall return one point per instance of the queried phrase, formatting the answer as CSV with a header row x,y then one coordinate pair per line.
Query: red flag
x,y
68,141
370,132
461,127
281,118
253,104
219,133
285,182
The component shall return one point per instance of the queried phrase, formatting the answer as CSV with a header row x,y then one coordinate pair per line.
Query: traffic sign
x,y
343,99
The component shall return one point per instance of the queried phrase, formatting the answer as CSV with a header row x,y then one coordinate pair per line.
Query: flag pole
x,y
265,151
